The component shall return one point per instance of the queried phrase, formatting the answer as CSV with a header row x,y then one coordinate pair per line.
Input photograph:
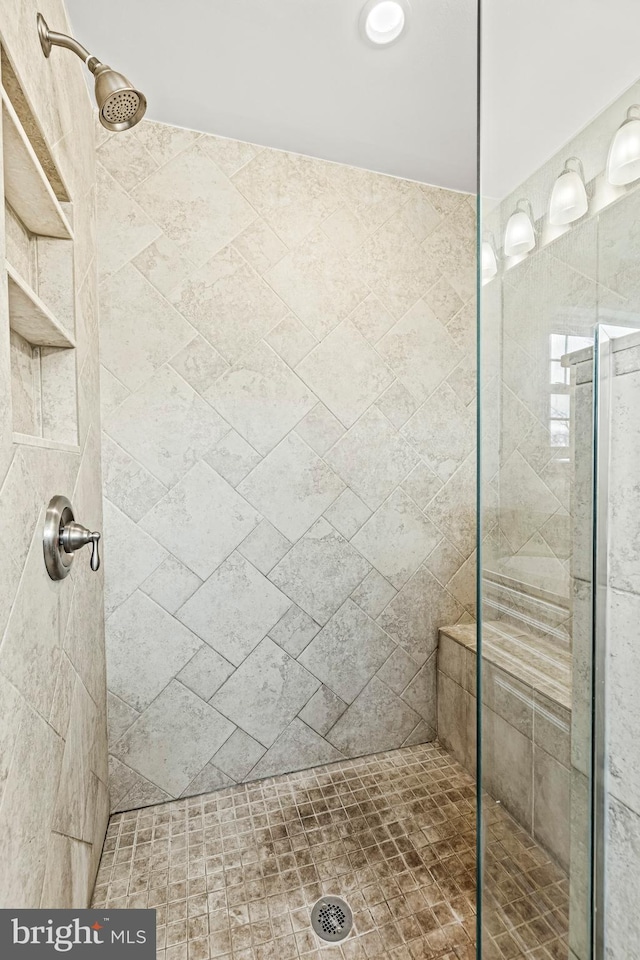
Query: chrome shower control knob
x,y
74,535
63,536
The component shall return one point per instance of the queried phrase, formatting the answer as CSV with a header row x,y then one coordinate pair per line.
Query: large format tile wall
x,y
53,739
288,385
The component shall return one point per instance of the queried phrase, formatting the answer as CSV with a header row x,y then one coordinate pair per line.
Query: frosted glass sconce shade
x,y
489,262
519,237
569,196
623,163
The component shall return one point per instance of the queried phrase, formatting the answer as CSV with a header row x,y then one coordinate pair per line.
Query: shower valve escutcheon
x,y
63,537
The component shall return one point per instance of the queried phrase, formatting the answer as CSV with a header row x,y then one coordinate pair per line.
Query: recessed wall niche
x,y
39,311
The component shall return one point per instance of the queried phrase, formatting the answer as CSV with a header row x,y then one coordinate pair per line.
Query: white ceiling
x,y
548,68
295,74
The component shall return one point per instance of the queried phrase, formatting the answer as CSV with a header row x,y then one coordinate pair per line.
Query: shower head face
x,y
120,105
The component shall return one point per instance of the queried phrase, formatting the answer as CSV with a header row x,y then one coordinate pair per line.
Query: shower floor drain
x,y
331,918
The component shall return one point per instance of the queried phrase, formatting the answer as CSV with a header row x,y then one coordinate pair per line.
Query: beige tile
x,y
194,203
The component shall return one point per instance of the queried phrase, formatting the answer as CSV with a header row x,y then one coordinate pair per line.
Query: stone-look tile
x,y
453,714
397,538
229,155
69,816
462,584
229,304
205,672
414,615
205,214
27,809
446,304
67,875
344,230
398,671
318,284
130,554
199,364
171,584
210,778
624,562
238,755
261,398
294,631
444,562
323,710
345,372
320,571
233,458
622,700
452,509
373,594
201,520
421,692
163,265
372,458
291,192
347,651
393,264
120,716
374,721
259,246
126,482
526,502
442,452
139,329
347,513
552,728
32,643
397,404
320,429
622,879
372,319
264,547
164,141
297,748
422,485
291,340
179,427
123,227
139,671
234,609
266,692
420,351
173,739
291,487
551,805
112,392
508,767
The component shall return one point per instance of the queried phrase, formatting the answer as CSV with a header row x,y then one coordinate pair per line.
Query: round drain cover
x,y
331,918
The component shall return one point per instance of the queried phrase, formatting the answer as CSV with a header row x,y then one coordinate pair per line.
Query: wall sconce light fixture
x,y
623,163
569,196
520,236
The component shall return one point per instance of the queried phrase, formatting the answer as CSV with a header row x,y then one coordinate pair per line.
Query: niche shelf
x,y
30,317
40,302
26,187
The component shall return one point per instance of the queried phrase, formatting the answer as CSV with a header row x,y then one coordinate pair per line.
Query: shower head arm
x,y
49,38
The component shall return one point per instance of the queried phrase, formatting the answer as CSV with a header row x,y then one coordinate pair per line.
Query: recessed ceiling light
x,y
383,21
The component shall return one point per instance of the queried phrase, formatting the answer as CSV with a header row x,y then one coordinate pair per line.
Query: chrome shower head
x,y
120,105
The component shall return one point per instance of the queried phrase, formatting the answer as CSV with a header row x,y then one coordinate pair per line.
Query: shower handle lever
x,y
73,536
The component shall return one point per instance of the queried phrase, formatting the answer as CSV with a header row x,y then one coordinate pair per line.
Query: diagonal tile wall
x,y
288,388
